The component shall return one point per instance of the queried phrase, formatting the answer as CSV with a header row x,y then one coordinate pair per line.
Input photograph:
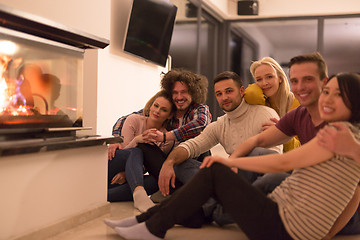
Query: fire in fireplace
x,y
41,72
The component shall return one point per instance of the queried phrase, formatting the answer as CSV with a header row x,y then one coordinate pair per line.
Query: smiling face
x,y
228,94
331,104
181,96
160,110
267,79
306,83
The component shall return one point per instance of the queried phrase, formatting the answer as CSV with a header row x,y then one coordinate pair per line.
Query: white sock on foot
x,y
138,231
127,222
142,200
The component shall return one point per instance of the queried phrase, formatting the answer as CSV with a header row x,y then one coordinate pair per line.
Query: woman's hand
x,y
140,139
208,161
153,135
119,178
269,124
111,150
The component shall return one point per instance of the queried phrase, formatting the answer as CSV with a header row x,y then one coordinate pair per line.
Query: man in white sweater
x,y
240,122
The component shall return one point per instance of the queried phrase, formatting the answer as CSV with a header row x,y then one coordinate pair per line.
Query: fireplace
x,y
41,78
40,83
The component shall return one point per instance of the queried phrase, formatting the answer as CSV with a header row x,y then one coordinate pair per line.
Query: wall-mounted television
x,y
150,29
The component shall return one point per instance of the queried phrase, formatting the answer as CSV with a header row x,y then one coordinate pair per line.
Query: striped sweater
x,y
312,198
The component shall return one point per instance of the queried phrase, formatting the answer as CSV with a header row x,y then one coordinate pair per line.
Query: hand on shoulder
x,y
338,138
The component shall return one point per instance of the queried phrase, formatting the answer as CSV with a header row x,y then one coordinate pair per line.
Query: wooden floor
x,y
97,230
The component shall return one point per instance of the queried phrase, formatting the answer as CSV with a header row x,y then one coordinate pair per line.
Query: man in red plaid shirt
x,y
189,92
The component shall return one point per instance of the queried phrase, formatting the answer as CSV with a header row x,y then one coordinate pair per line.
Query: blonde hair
x,y
284,98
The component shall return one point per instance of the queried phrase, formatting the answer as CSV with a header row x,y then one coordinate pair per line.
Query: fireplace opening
x,y
40,83
41,79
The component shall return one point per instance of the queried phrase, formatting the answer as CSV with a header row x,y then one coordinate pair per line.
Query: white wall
x,y
276,8
307,7
88,16
41,189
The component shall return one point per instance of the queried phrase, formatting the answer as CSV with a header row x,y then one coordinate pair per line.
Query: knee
x,y
188,164
135,153
218,167
121,154
258,151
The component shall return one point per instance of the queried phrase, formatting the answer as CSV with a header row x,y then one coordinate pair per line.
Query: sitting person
x,y
239,122
304,206
157,111
308,75
271,88
188,91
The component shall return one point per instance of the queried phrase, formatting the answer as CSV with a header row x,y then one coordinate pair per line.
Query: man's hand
x,y
111,150
269,124
338,138
166,177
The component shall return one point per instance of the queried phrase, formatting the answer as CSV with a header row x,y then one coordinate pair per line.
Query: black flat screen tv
x,y
150,29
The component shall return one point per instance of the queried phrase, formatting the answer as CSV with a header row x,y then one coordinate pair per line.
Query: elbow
x,y
203,122
260,142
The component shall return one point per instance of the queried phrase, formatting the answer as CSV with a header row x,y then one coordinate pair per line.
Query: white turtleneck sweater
x,y
231,129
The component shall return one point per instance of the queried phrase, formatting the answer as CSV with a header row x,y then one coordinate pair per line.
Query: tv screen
x,y
150,29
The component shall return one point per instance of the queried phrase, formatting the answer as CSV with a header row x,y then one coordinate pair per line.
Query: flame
x,y
6,105
3,95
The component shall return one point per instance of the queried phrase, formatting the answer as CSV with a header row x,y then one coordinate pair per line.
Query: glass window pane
x,y
341,44
282,39
183,46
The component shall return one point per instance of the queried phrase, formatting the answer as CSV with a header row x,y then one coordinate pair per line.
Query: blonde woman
x,y
127,164
271,88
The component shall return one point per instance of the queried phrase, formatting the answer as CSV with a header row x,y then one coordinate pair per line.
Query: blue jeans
x,y
186,170
269,181
131,161
123,192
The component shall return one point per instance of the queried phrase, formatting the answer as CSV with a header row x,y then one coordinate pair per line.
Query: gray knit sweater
x,y
231,129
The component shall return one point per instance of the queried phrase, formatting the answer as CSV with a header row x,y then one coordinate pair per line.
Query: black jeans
x,y
153,161
252,211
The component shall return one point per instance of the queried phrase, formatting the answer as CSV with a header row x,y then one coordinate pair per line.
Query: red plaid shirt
x,y
196,118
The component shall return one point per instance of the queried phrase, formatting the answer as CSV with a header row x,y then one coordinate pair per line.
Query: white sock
x,y
142,200
127,222
138,231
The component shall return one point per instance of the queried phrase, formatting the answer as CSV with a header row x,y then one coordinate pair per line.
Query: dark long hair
x,y
349,86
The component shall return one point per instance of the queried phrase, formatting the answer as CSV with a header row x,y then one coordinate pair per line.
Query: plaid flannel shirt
x,y
196,118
